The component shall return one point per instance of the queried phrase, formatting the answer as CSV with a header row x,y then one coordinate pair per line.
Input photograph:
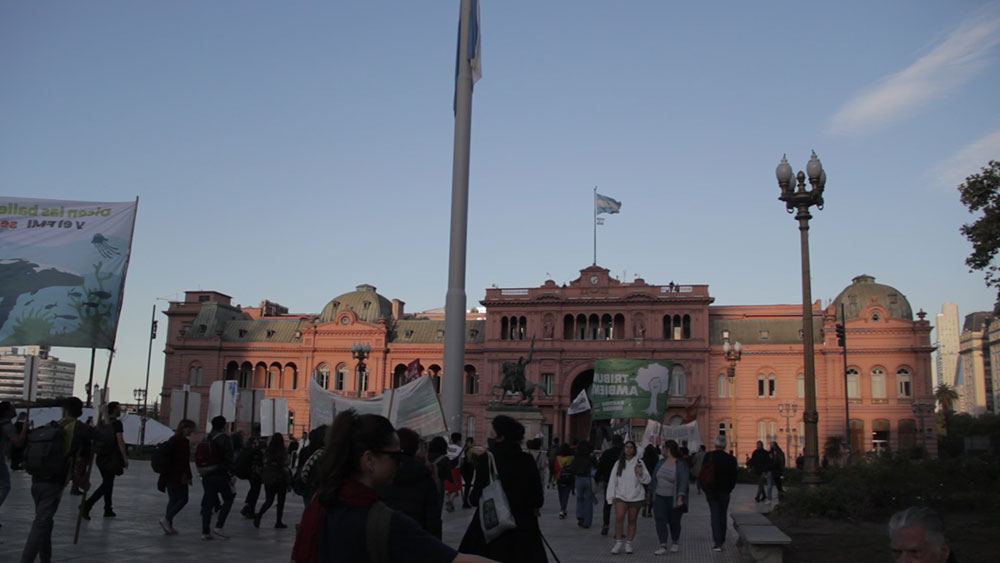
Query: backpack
x,y
45,456
206,456
160,460
706,477
567,477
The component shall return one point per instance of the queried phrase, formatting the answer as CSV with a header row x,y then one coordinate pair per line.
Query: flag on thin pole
x,y
605,204
602,204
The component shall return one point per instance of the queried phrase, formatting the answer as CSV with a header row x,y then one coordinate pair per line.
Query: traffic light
x,y
152,336
841,335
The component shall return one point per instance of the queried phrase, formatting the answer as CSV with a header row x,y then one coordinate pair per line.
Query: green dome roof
x,y
860,294
366,304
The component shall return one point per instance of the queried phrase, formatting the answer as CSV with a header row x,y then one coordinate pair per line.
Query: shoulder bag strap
x,y
377,532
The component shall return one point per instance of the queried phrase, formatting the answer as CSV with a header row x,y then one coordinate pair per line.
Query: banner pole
x,y
90,380
101,412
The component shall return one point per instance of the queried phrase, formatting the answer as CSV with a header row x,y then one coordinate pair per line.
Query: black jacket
x,y
523,486
606,463
760,461
415,494
725,469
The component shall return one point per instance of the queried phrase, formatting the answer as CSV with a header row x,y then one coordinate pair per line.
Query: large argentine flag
x,y
605,204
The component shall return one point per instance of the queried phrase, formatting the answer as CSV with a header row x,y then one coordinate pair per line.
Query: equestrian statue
x,y
514,380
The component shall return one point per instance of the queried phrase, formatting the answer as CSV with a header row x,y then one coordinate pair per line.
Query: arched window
x,y
581,327
363,379
323,376
606,327
504,328
767,385
245,377
800,385
399,376
668,332
618,332
343,373
273,376
568,327
880,435
676,328
194,374
878,383
522,328
471,381
686,327
903,382
767,431
722,382
853,384
678,382
772,386
593,326
291,377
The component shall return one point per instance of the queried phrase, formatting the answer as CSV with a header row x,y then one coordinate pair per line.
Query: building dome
x,y
366,304
864,292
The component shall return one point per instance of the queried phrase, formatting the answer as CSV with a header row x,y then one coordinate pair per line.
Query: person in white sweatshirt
x,y
627,493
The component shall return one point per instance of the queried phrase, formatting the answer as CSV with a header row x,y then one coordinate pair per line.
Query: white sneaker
x,y
661,551
628,547
618,547
167,529
675,548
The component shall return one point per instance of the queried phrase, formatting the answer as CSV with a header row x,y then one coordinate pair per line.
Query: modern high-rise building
x,y
55,378
947,332
979,350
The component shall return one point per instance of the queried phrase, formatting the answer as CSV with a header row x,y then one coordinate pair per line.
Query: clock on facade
x,y
594,279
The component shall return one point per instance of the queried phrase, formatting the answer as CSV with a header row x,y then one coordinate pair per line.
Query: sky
x,y
292,151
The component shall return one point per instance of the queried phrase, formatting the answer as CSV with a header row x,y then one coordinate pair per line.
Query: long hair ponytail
x,y
348,438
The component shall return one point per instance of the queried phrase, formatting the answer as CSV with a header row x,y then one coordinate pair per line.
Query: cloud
x,y
967,161
947,67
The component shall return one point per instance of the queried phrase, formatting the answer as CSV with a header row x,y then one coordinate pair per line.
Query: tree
x,y
946,395
981,192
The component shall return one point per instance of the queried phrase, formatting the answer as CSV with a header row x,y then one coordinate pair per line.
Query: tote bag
x,y
494,510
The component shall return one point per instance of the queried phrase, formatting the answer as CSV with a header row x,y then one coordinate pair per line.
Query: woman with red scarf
x,y
362,454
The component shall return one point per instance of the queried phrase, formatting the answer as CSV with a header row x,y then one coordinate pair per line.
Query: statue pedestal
x,y
530,417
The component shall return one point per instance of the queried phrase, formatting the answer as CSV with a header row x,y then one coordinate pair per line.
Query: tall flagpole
x,y
595,225
454,312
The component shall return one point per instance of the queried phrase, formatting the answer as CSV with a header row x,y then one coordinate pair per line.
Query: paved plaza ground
x,y
135,535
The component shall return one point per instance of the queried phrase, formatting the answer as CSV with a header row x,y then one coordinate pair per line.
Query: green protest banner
x,y
630,388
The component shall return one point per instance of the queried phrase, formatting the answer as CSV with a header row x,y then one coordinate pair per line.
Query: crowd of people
x,y
360,478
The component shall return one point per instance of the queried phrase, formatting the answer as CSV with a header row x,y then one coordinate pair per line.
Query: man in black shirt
x,y
721,466
603,474
111,460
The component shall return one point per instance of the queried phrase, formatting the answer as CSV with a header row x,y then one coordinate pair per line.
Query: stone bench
x,y
764,540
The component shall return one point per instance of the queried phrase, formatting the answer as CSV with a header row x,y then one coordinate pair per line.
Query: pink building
x,y
594,316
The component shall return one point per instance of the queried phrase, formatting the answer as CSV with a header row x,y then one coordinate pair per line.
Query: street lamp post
x,y
788,410
799,201
733,355
145,393
360,351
